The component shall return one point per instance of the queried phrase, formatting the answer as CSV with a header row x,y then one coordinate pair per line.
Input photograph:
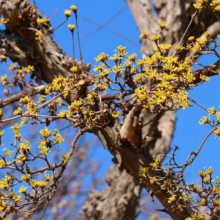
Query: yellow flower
x,y
217,8
217,132
187,198
48,178
212,111
209,171
17,198
42,20
16,128
13,66
48,89
207,34
67,13
102,57
172,199
118,68
165,47
74,69
42,99
39,36
143,35
8,153
26,177
212,66
191,38
2,132
57,83
132,57
3,58
74,8
59,100
115,115
57,136
200,41
162,25
2,163
202,202
45,132
166,185
218,117
179,47
4,21
115,58
142,174
204,120
204,78
66,158
22,189
44,150
21,158
155,38
71,27
4,80
62,114
25,145
197,6
18,111
25,100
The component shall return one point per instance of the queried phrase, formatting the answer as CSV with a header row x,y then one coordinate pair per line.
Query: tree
x,y
134,122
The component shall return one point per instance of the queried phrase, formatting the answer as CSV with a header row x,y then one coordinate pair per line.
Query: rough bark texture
x,y
130,152
117,200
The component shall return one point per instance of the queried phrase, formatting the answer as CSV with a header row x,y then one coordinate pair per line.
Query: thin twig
x,y
198,104
212,11
44,209
194,15
81,58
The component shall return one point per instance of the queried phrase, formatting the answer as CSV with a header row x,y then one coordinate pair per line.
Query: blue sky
x,y
188,134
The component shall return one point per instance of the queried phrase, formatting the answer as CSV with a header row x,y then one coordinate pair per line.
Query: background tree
x,y
132,150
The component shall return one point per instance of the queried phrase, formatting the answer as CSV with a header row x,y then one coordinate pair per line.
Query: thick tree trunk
x,y
20,45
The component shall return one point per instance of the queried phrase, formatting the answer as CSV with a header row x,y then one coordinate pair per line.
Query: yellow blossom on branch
x,y
102,57
204,120
212,111
67,13
21,158
25,145
172,199
45,132
4,80
74,8
66,158
197,6
4,21
8,153
18,111
25,100
155,38
143,35
26,177
162,25
217,132
71,27
42,20
22,189
204,78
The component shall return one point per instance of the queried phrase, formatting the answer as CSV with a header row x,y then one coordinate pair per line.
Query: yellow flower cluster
x,y
42,20
4,20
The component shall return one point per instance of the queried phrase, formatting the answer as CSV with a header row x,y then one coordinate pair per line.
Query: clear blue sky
x,y
188,134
